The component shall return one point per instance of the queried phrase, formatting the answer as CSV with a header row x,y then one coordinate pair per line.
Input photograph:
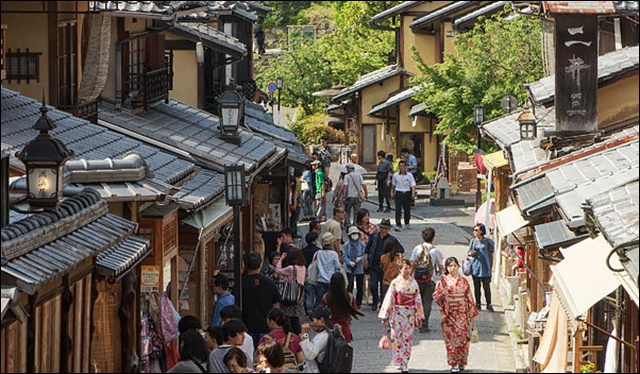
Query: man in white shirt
x,y
353,183
313,349
403,190
427,288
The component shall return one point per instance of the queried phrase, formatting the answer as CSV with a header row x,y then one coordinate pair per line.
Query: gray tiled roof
x,y
572,183
527,154
90,141
262,123
398,9
626,6
610,65
193,130
191,196
555,234
451,9
505,130
394,99
616,212
417,109
371,79
484,11
577,181
212,38
215,8
47,245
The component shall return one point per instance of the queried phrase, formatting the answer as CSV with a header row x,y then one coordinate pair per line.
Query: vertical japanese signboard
x,y
576,72
576,62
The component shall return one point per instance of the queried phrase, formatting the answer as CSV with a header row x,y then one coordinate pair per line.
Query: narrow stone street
x,y
453,224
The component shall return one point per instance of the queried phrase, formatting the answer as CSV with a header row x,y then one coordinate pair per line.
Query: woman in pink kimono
x,y
453,296
402,312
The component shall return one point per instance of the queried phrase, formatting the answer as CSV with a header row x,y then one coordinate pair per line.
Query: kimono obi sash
x,y
405,299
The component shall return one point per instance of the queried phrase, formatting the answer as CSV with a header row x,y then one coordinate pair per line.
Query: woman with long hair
x,y
342,304
292,264
402,312
193,353
366,228
453,296
281,333
338,192
390,263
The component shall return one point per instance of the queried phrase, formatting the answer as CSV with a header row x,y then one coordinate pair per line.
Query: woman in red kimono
x,y
458,309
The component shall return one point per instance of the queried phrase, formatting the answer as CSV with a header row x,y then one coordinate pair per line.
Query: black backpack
x,y
338,354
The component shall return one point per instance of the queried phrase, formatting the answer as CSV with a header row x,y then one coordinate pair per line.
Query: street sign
x,y
272,87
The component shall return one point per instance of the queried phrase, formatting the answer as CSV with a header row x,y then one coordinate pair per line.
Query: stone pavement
x,y
453,224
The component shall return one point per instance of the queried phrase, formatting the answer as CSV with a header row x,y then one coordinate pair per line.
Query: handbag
x,y
384,342
312,271
361,195
304,185
466,266
291,291
473,333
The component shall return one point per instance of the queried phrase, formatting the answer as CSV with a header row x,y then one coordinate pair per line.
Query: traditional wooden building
x,y
58,259
545,234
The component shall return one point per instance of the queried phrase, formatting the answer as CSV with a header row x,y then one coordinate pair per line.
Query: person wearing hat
x,y
353,255
313,349
353,183
372,253
328,263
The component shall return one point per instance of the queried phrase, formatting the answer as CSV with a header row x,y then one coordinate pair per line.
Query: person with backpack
x,y
314,348
281,333
402,312
292,267
426,264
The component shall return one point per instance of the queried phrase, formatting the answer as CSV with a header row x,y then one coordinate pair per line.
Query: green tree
x,y
285,13
494,59
338,56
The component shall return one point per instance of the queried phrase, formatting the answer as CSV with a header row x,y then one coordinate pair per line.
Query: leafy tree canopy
x,y
339,56
494,59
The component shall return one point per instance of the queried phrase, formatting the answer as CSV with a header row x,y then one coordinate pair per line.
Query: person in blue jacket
x,y
353,255
481,251
220,288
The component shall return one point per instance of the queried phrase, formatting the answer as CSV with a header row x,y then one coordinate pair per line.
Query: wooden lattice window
x,y
2,52
67,61
23,65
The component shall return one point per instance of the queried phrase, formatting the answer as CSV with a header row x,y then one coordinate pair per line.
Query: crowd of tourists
x,y
292,300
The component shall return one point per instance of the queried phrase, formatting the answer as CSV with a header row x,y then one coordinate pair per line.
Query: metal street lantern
x,y
279,85
528,125
478,118
231,111
235,195
44,158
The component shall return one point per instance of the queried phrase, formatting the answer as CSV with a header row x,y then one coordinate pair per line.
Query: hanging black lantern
x,y
44,158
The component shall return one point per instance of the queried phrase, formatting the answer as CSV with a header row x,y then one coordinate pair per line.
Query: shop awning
x,y
210,218
552,351
509,220
583,278
494,160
